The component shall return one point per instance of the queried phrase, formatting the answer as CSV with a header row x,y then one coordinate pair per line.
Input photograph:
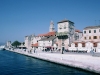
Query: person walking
x,y
92,52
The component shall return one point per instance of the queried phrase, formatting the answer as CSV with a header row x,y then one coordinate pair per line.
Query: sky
x,y
19,18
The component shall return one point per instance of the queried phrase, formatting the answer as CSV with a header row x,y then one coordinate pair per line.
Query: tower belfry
x,y
51,28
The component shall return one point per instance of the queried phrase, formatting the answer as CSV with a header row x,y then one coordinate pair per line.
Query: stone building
x,y
91,33
78,35
65,28
89,41
66,37
35,42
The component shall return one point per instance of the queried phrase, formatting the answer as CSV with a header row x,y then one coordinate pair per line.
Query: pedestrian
x,y
92,52
34,50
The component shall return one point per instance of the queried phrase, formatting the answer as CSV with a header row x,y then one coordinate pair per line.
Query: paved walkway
x,y
86,62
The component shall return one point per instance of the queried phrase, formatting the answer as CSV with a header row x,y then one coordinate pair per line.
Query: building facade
x,y
90,40
42,40
66,27
91,33
67,37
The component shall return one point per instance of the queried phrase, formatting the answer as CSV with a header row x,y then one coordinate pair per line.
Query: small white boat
x,y
2,47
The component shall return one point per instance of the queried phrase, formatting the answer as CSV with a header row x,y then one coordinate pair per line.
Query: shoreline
x,y
66,60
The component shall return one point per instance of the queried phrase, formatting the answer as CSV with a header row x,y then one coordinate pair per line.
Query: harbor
x,y
50,37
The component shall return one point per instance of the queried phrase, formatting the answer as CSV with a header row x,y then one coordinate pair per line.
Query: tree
x,y
23,43
16,43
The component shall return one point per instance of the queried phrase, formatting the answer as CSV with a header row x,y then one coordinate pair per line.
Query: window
x,y
65,26
89,31
83,44
94,31
85,38
94,37
60,28
84,31
94,44
89,37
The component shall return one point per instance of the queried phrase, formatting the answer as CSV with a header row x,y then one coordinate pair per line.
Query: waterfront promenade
x,y
86,62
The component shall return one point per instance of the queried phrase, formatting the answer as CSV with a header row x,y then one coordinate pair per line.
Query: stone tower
x,y
51,28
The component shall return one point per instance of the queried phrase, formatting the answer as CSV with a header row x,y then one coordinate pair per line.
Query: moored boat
x,y
2,47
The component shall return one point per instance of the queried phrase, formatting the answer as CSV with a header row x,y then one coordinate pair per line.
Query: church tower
x,y
51,28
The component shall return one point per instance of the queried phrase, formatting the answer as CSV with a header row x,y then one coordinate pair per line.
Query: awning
x,y
62,33
48,47
35,45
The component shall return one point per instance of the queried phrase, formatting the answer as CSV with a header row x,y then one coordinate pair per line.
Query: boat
x,y
2,47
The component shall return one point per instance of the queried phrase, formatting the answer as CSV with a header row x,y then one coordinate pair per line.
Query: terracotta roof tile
x,y
35,45
77,31
48,34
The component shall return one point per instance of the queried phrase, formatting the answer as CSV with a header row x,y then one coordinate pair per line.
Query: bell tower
x,y
51,28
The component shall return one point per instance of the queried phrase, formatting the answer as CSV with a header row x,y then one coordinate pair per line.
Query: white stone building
x,y
47,42
91,33
90,39
35,42
75,39
66,27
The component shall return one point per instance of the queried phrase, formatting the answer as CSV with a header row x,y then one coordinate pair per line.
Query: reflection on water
x,y
16,64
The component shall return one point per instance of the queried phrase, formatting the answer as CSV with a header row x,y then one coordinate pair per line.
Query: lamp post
x,y
62,48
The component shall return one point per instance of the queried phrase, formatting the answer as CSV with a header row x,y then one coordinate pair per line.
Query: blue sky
x,y
19,18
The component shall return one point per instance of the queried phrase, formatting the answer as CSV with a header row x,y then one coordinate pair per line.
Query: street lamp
x,y
62,48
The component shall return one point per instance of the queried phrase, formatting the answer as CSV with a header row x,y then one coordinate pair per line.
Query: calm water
x,y
16,64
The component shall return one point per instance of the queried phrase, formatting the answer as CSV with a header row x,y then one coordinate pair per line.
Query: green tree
x,y
23,43
16,43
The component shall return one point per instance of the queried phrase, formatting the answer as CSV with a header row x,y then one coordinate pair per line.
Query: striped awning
x,y
61,33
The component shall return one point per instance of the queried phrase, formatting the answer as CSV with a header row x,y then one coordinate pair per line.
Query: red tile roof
x,y
35,45
48,34
77,31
